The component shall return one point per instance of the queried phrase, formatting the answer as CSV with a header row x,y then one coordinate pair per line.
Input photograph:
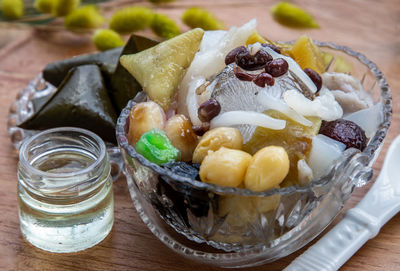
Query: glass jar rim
x,y
95,138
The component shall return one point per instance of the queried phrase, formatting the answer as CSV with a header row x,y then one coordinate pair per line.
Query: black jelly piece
x,y
80,101
55,72
123,86
345,131
183,169
184,196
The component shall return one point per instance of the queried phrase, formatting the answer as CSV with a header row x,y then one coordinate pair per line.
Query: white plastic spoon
x,y
360,223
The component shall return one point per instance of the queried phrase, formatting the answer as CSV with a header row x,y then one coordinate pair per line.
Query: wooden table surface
x,y
371,27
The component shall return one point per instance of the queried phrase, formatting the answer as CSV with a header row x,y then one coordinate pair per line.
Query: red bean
x,y
273,47
277,67
230,57
208,110
241,75
264,78
345,131
201,129
252,62
315,77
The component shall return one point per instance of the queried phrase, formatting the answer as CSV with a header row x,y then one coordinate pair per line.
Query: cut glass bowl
x,y
233,227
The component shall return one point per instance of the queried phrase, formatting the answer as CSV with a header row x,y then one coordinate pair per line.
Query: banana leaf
x,y
32,16
55,72
80,101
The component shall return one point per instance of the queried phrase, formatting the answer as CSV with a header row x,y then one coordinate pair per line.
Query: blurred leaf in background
x,y
40,13
293,16
86,17
12,9
202,18
131,19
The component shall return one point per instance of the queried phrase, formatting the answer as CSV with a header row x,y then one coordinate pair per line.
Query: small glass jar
x,y
65,196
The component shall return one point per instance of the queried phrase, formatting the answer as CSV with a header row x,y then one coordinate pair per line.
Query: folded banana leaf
x,y
123,86
55,72
81,100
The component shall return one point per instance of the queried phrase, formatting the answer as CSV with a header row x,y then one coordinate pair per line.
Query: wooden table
x,y
372,27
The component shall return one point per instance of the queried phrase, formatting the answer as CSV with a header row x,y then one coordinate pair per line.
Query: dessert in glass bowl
x,y
248,146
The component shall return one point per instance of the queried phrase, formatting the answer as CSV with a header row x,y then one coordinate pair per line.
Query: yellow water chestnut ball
x,y
225,167
216,138
267,169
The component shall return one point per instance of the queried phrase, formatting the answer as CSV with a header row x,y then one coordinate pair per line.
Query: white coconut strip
x,y
279,105
191,100
324,152
254,48
210,60
295,68
232,118
324,106
305,173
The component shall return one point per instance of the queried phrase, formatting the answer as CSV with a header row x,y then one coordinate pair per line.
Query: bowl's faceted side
x,y
248,228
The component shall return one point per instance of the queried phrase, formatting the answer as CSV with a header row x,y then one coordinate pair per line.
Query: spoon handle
x,y
339,244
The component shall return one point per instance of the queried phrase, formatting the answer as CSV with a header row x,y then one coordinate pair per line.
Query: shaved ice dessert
x,y
231,109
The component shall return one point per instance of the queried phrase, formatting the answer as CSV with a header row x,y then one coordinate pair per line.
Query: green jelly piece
x,y
292,16
123,86
80,101
55,72
155,146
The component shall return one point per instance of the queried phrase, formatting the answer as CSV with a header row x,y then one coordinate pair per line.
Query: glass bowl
x,y
233,227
